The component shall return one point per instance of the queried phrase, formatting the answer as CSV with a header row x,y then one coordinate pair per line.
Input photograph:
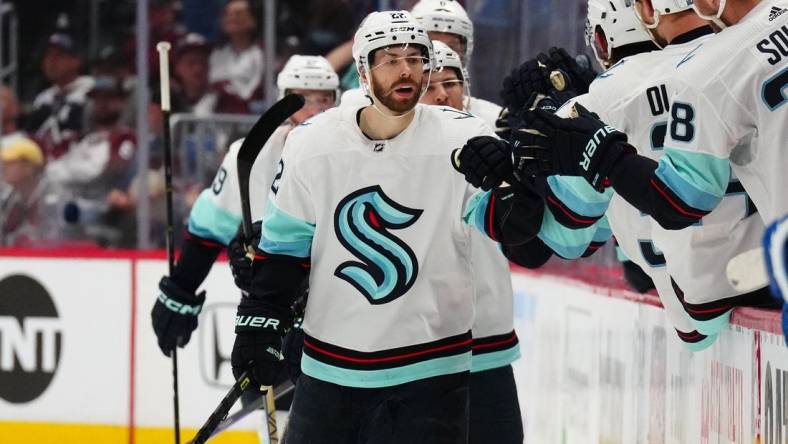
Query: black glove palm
x,y
174,315
582,146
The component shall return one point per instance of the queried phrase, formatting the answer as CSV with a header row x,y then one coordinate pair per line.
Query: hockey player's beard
x,y
389,99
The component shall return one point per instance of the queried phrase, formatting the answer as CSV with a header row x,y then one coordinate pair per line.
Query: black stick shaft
x,y
164,76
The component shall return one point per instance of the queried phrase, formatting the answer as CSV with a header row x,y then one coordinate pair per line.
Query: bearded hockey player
x,y
370,212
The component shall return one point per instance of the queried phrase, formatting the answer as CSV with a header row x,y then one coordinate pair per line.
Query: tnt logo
x,y
31,339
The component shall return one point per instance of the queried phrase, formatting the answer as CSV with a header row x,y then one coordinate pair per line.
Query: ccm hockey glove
x,y
259,328
174,315
582,146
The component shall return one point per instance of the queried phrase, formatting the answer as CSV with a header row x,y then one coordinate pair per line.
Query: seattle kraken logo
x,y
388,267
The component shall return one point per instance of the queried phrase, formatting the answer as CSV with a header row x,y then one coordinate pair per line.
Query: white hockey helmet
x,y
612,24
446,16
384,29
661,7
307,72
445,57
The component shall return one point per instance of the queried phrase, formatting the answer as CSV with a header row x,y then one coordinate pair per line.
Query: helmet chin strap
x,y
717,18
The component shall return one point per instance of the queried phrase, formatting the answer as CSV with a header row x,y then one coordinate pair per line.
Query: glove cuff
x,y
178,300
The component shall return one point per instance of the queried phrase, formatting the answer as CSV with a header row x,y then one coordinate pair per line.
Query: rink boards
x,y
78,359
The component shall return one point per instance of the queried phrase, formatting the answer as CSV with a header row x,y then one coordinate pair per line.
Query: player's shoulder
x,y
484,109
451,122
738,50
324,133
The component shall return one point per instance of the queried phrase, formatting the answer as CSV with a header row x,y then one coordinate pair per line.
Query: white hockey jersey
x,y
385,224
216,214
484,109
634,96
732,106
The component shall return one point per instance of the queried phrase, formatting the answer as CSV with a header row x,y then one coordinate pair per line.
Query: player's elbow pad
x,y
277,279
517,215
532,254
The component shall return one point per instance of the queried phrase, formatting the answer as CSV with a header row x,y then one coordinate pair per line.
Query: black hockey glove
x,y
533,76
174,315
582,146
485,161
581,73
259,328
242,266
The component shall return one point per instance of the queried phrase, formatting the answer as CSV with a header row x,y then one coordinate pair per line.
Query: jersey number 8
x,y
681,117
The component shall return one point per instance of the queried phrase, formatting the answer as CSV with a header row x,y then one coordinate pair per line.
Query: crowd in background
x,y
69,150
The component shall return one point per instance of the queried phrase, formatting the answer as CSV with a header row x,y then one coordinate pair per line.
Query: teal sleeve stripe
x,y
475,210
386,377
501,358
209,221
567,243
622,257
603,231
579,196
699,179
285,234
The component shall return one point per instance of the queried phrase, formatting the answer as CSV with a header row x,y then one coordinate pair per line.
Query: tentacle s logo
x,y
389,267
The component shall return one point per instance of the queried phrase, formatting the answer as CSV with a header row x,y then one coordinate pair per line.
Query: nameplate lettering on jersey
x,y
775,45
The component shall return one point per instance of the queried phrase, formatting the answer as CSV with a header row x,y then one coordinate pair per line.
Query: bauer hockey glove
x,y
259,328
174,315
242,266
582,146
485,161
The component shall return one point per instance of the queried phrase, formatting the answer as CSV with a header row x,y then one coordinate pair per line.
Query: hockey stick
x,y
164,74
253,144
747,271
219,414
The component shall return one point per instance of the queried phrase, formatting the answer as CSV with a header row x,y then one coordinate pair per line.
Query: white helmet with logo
x,y
612,24
445,57
446,16
384,29
307,72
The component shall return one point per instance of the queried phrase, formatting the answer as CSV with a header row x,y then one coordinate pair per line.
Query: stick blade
x,y
255,141
747,271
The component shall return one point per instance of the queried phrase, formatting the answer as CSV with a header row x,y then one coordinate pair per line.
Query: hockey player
x,y
367,207
447,21
216,215
495,410
720,119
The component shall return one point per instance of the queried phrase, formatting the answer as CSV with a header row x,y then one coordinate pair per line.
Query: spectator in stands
x,y
237,66
164,27
11,111
58,114
100,162
191,90
22,164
